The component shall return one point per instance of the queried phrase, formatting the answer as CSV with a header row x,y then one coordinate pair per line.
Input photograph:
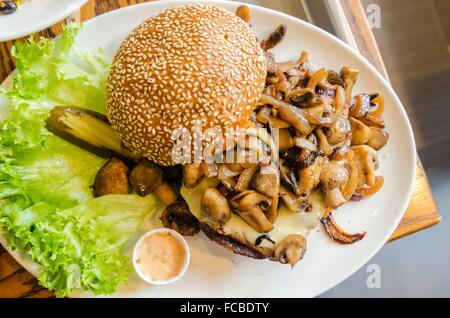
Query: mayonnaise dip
x,y
161,256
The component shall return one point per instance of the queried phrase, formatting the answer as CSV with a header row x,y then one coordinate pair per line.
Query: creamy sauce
x,y
161,256
288,222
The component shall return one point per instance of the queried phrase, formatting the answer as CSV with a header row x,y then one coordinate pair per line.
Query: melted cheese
x,y
288,222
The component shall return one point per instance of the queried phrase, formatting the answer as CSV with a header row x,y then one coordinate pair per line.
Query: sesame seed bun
x,y
192,62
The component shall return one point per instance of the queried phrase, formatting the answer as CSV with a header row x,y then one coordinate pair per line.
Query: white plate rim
x,y
32,267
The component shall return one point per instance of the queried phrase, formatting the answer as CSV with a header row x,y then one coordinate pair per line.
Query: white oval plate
x,y
36,15
217,272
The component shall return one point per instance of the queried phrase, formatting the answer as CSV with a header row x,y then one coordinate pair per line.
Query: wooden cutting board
x,y
422,212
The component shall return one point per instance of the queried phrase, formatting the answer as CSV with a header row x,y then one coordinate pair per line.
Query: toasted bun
x,y
192,62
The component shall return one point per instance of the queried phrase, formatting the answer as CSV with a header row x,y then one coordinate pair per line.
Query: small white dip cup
x,y
138,268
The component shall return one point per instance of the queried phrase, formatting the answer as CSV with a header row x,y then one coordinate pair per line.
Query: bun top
x,y
188,63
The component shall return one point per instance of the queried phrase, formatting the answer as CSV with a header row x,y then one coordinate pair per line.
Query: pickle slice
x,y
86,129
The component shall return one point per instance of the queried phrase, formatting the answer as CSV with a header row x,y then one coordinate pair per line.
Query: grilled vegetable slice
x,y
87,129
178,217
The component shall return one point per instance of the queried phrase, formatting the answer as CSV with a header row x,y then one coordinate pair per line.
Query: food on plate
x,y
274,38
87,129
146,177
166,193
89,138
48,209
243,12
8,6
161,256
209,68
112,178
178,217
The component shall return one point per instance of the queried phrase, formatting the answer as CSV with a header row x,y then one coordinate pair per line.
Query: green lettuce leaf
x,y
46,205
53,72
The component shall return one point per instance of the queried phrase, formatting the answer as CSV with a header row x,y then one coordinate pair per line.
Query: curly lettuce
x,y
47,210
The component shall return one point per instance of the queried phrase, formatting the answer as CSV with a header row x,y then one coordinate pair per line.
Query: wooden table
x,y
422,212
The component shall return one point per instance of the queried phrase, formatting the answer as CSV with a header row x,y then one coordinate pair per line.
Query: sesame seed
x,y
173,68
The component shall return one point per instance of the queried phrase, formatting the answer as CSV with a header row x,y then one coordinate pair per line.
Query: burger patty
x,y
235,244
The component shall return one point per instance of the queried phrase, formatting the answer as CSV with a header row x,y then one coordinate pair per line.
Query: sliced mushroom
x,y
360,106
284,139
334,198
360,132
288,175
339,131
316,111
332,177
378,138
377,102
300,95
215,206
304,58
112,178
209,169
229,183
324,145
250,142
264,114
274,38
339,102
317,78
245,178
366,162
341,149
349,76
267,181
334,78
290,114
367,192
192,174
349,188
145,177
229,170
288,66
314,115
271,65
292,201
277,123
166,193
266,140
302,142
368,108
282,84
178,217
300,157
250,206
272,212
291,249
372,120
309,177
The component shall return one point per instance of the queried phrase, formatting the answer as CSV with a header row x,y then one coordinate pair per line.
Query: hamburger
x,y
200,67
189,63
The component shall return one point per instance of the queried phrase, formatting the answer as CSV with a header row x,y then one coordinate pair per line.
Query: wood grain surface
x,y
422,212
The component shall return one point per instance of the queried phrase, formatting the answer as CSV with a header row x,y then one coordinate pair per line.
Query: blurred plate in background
x,y
36,15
